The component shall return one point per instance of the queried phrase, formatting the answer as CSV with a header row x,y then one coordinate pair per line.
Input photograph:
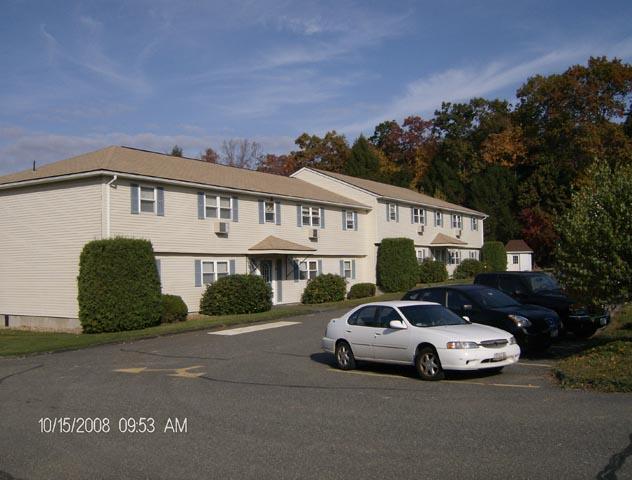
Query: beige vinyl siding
x,y
180,230
42,232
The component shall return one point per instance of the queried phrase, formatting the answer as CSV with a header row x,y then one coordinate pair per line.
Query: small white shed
x,y
519,256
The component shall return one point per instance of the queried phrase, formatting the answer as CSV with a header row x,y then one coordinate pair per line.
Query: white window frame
x,y
474,223
305,269
154,200
515,259
392,212
438,218
347,271
454,257
350,219
457,220
312,213
218,208
419,215
474,254
265,211
421,254
215,272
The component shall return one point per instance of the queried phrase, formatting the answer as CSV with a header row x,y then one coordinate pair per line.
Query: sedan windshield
x,y
431,316
492,298
542,283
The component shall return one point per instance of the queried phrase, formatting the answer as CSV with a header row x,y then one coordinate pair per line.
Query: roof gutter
x,y
132,176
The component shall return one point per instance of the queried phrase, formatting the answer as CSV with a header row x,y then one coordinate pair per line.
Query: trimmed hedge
x,y
494,256
396,265
325,288
468,268
361,290
432,271
173,309
236,294
119,287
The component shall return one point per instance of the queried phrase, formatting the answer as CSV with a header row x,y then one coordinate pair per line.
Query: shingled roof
x,y
517,246
397,193
126,160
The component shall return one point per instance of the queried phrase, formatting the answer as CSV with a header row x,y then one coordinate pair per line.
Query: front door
x,y
266,267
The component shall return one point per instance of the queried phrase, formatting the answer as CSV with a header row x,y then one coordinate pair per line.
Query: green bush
x,y
119,287
325,288
236,294
494,256
396,265
361,290
173,309
432,271
468,268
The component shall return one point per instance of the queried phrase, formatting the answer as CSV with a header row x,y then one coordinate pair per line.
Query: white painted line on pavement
x,y
253,328
529,364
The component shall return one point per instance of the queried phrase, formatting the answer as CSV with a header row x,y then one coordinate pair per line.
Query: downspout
x,y
107,205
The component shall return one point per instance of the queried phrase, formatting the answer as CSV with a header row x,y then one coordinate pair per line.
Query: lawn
x,y
606,365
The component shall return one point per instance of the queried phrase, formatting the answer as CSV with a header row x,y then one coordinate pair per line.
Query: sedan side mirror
x,y
397,325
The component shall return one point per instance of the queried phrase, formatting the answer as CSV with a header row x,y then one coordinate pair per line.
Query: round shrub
x,y
396,265
432,271
361,290
325,288
494,256
119,287
236,294
468,268
173,309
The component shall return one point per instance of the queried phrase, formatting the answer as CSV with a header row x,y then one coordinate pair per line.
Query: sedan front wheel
x,y
344,356
428,364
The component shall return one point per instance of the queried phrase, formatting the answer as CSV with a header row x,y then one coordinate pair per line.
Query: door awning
x,y
276,245
442,240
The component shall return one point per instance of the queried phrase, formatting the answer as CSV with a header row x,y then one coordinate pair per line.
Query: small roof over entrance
x,y
442,240
272,244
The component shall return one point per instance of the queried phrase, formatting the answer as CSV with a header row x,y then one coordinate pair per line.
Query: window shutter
x,y
296,273
279,277
412,214
158,269
198,273
262,218
397,213
355,220
231,267
320,267
277,212
322,218
388,212
342,268
135,193
201,212
353,275
235,201
298,216
344,219
160,204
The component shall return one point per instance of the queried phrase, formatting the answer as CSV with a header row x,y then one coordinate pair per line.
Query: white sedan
x,y
423,334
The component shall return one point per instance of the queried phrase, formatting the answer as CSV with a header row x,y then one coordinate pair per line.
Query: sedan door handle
x,y
348,331
377,333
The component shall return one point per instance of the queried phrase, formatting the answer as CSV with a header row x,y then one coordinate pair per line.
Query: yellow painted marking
x,y
176,372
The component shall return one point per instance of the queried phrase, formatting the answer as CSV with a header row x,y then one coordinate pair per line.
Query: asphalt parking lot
x,y
269,404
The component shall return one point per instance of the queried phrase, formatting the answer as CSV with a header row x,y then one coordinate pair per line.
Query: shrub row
x,y
468,268
236,294
432,271
325,288
361,290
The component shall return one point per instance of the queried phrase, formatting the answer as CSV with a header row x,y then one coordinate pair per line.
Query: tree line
x,y
520,163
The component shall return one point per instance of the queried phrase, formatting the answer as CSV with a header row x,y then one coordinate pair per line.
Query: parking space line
x,y
509,385
529,364
253,328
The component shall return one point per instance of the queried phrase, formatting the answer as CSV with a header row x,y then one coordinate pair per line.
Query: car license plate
x,y
554,333
500,356
603,321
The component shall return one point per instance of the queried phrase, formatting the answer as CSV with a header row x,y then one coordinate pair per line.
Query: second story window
x,y
438,219
474,223
350,220
310,216
218,207
392,212
419,216
269,211
147,199
457,221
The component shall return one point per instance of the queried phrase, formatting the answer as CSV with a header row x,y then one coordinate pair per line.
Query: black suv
x,y
534,327
538,288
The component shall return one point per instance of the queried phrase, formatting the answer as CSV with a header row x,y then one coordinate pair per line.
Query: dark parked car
x,y
538,288
534,327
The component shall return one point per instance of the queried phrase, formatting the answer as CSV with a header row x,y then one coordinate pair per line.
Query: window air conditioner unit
x,y
313,234
221,228
459,232
420,230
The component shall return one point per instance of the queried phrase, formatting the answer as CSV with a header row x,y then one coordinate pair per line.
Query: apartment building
x,y
205,221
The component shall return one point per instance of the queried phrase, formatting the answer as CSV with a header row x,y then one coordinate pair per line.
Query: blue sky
x,y
80,75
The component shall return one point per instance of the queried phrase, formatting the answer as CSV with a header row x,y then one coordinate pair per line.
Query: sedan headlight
x,y
459,345
512,340
520,321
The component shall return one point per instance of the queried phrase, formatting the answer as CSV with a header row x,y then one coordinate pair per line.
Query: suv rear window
x,y
487,280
